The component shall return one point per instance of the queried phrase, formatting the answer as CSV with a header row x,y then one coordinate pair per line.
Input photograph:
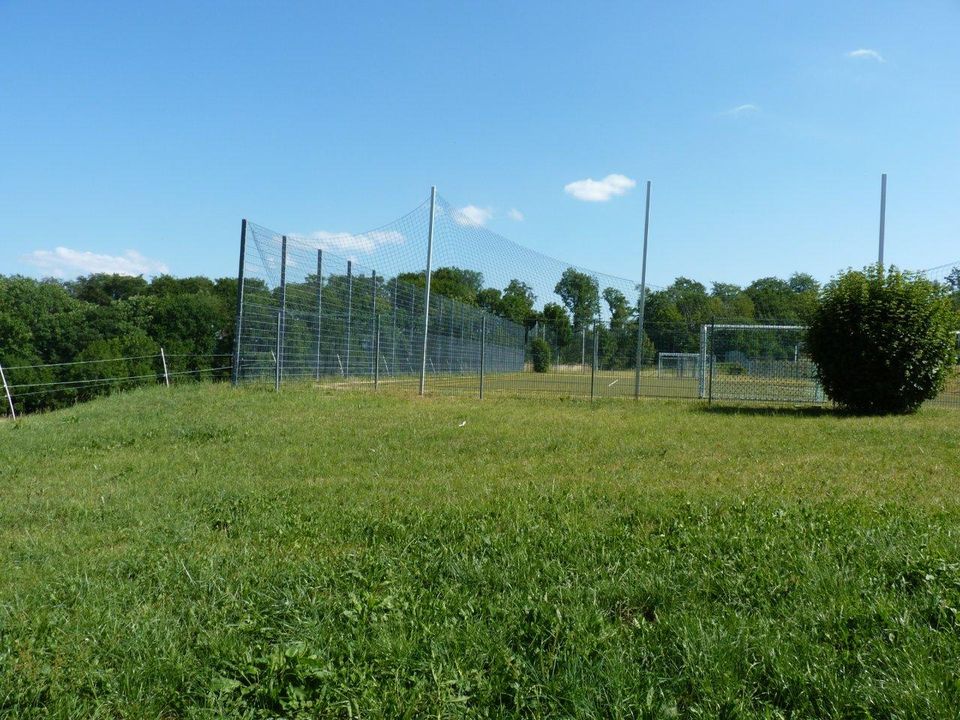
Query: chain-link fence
x,y
309,309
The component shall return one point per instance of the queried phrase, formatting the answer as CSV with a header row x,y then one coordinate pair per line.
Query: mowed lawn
x,y
211,552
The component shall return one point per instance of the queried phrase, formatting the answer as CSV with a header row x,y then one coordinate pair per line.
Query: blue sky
x,y
135,136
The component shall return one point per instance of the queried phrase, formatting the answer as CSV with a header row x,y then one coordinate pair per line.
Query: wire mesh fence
x,y
309,309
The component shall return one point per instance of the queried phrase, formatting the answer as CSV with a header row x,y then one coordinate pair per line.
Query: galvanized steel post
x,y
583,349
712,354
883,215
393,330
283,305
166,376
349,312
319,305
643,295
235,373
702,374
593,365
483,349
374,319
6,389
276,358
426,292
376,351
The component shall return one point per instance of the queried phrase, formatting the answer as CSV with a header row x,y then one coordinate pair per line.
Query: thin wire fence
x,y
32,388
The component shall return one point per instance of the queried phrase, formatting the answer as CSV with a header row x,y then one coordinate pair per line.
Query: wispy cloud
x,y
745,109
515,214
591,190
472,215
866,54
62,262
341,243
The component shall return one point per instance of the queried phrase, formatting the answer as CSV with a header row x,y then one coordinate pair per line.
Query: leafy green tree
x,y
164,285
773,299
540,355
186,324
619,307
580,294
104,288
675,314
953,283
489,299
558,322
111,364
517,301
730,302
451,282
806,293
882,340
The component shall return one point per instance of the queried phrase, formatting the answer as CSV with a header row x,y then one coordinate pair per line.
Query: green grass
x,y
210,552
572,382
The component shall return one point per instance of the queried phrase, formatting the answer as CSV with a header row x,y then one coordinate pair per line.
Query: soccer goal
x,y
678,364
767,363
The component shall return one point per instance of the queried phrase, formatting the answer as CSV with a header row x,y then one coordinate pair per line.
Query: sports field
x,y
574,382
204,551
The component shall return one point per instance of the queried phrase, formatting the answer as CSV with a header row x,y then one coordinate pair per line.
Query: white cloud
x,y
591,190
341,243
745,109
866,54
64,262
515,214
472,215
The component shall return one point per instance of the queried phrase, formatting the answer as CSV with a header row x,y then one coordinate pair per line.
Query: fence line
x,y
22,393
408,302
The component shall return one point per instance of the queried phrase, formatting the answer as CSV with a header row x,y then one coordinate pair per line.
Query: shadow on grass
x,y
798,411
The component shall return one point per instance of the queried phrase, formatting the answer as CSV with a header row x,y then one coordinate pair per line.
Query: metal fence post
x,y
166,376
374,321
349,311
376,351
276,357
483,348
593,365
583,349
710,350
239,326
393,330
438,325
283,305
319,305
702,374
426,292
883,216
6,389
643,294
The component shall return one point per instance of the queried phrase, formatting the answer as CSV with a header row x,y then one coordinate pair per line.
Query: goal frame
x,y
706,338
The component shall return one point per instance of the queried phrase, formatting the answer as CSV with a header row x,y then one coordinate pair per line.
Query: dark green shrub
x,y
540,355
882,341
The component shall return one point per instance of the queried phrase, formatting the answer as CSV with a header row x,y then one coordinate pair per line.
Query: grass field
x,y
573,382
210,552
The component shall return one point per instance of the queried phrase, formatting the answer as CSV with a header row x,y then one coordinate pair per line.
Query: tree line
x,y
102,317
91,321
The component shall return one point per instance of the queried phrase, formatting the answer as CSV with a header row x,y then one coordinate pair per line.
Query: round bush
x,y
540,355
882,341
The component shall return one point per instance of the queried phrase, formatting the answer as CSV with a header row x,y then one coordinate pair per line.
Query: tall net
x,y
345,308
324,317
